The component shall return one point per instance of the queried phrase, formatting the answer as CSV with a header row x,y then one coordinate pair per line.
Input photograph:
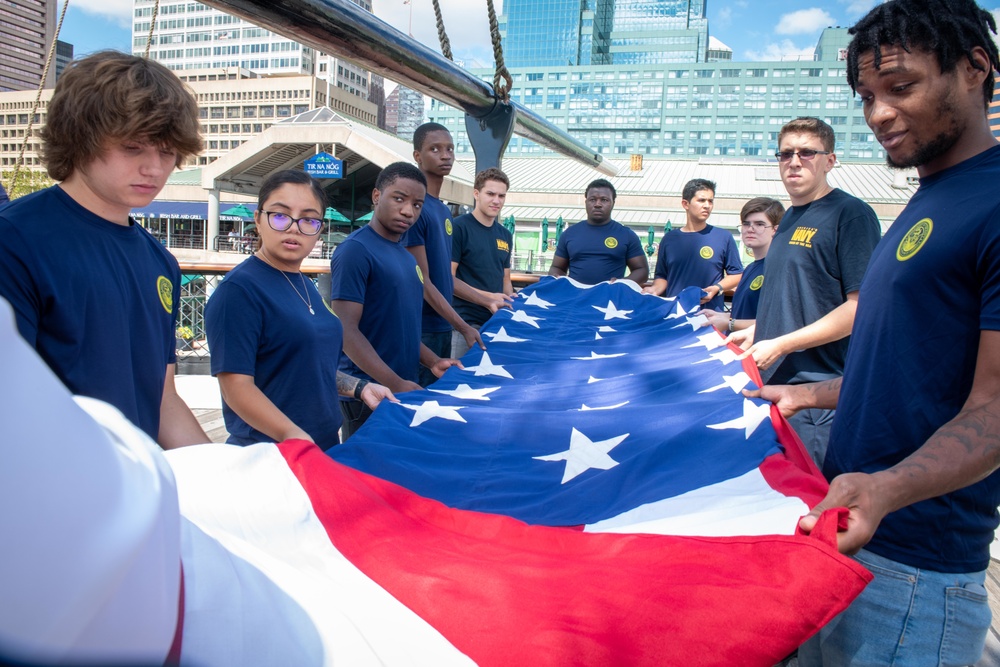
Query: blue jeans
x,y
440,344
906,617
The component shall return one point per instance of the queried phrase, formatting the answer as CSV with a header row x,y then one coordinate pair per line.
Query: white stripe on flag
x,y
265,584
746,505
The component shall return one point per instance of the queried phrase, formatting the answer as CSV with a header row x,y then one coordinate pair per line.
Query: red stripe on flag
x,y
504,592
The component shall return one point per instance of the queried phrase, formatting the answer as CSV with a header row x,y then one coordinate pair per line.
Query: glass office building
x,y
687,110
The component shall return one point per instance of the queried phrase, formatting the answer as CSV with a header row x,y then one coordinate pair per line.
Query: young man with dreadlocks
x,y
915,445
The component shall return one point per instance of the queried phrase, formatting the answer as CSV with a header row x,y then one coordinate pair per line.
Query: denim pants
x,y
906,617
440,344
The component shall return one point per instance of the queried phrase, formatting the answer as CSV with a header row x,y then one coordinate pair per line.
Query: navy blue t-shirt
x,y
383,277
257,326
932,285
817,257
748,291
697,259
598,252
97,300
483,257
433,231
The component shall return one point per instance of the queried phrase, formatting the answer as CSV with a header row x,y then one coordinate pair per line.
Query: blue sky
x,y
754,29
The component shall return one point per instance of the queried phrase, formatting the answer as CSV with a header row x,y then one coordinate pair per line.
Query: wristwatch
x,y
360,387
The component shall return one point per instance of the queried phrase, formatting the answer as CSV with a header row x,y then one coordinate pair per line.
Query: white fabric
x,y
746,505
265,586
89,567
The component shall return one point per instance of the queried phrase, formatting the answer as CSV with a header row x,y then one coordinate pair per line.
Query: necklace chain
x,y
305,299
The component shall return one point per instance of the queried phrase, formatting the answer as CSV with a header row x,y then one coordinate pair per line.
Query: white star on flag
x,y
607,329
605,407
598,336
592,379
736,382
696,322
726,356
521,316
594,355
502,336
710,340
612,312
535,300
466,392
487,367
584,454
753,415
677,313
431,409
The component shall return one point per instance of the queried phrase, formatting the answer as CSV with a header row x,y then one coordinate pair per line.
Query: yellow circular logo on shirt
x,y
447,226
756,283
914,239
165,289
706,252
420,274
611,242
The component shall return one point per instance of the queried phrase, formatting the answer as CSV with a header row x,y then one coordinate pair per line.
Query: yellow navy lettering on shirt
x,y
165,289
803,237
914,239
503,245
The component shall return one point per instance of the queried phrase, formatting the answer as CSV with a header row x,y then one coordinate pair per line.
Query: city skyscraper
x,y
557,33
27,28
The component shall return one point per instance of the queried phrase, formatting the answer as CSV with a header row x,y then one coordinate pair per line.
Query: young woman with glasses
x,y
275,343
759,220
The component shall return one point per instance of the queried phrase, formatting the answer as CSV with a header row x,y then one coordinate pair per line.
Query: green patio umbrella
x,y
508,223
365,218
240,210
335,215
545,234
559,229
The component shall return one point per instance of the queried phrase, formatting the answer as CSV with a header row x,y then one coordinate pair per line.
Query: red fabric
x,y
507,593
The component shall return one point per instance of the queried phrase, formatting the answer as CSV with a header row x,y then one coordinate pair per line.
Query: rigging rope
x,y
442,35
502,91
152,27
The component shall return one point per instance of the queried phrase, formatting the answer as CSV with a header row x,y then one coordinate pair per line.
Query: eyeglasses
x,y
804,154
281,222
757,224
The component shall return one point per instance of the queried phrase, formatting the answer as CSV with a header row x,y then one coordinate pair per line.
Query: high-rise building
x,y
64,54
720,108
27,28
555,33
190,36
404,112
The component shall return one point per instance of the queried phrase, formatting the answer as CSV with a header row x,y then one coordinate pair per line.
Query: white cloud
x,y
119,11
803,22
783,50
725,16
466,23
857,8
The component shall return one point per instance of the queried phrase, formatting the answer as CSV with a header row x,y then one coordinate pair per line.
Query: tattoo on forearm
x,y
345,383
